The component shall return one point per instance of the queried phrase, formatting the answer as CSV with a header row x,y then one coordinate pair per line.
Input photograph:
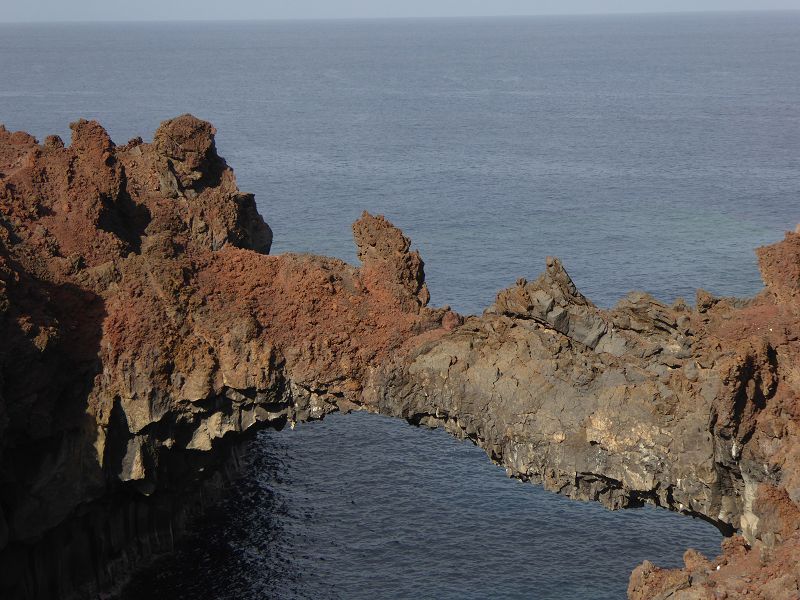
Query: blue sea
x,y
648,152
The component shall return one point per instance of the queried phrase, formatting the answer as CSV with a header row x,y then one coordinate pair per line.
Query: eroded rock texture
x,y
145,326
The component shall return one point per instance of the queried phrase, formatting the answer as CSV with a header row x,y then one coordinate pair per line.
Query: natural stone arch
x,y
196,335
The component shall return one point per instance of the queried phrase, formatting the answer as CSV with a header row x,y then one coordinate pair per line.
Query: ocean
x,y
648,152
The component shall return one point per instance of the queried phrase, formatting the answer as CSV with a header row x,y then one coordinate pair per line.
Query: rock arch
x,y
138,348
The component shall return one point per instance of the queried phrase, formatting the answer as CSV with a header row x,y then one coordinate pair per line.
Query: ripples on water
x,y
362,506
648,152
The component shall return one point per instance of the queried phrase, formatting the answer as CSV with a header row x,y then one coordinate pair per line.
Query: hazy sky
x,y
82,10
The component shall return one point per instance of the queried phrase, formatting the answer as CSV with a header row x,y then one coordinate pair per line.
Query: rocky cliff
x,y
146,327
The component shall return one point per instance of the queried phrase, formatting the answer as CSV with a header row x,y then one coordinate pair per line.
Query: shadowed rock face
x,y
145,327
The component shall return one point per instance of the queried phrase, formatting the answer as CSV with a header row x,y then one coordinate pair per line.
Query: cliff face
x,y
145,326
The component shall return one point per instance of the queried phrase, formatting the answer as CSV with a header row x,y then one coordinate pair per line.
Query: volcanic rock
x,y
146,329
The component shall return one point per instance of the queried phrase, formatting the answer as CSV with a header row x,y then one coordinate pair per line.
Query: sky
x,y
156,10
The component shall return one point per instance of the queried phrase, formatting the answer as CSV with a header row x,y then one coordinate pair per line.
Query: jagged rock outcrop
x,y
145,327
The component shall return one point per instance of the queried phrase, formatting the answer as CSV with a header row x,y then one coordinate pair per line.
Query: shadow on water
x,y
362,506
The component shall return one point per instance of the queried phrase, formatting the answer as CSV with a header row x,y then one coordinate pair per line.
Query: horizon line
x,y
404,18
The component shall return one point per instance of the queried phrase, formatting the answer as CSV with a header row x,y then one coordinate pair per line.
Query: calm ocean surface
x,y
647,152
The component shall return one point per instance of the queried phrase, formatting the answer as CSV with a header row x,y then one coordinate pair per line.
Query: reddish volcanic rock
x,y
383,250
141,314
780,269
145,326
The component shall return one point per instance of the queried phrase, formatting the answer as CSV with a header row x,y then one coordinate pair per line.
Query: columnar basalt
x,y
146,328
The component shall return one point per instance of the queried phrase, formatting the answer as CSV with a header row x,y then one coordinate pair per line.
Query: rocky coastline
x,y
147,330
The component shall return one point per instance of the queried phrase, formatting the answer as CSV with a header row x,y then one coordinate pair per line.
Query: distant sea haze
x,y
647,152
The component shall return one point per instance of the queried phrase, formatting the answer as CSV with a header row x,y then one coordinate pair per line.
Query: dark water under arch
x,y
363,507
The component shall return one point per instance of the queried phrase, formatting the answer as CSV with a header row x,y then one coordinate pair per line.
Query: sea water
x,y
647,152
